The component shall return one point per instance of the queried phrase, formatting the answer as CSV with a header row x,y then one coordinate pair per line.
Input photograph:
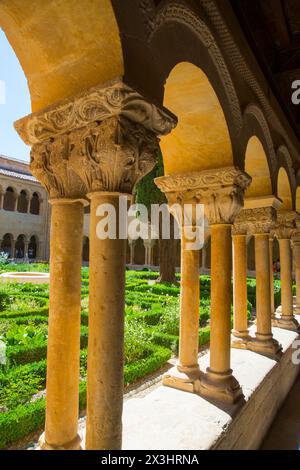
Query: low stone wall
x,y
249,428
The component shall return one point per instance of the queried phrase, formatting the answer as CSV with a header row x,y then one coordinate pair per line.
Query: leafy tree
x,y
148,193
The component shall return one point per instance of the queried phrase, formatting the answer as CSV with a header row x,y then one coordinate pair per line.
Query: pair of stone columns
x,y
256,222
264,223
287,235
93,147
221,192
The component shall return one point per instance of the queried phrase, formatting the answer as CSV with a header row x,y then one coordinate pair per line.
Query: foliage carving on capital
x,y
113,155
50,165
285,226
221,191
256,221
91,106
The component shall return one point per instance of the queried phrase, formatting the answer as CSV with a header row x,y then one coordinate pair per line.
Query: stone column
x,y
106,333
132,248
108,136
260,221
13,248
148,244
26,245
284,231
1,200
296,254
223,200
28,205
271,242
186,374
115,177
147,253
50,165
240,319
16,203
221,192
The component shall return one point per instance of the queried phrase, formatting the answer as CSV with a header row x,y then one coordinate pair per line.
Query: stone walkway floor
x,y
285,431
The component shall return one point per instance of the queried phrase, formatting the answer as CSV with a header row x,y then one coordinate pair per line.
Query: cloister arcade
x,y
22,247
106,92
22,202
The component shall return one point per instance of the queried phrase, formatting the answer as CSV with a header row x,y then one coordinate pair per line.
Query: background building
x,y
24,212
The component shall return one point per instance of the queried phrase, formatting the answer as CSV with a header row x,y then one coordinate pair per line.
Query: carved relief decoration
x,y
256,221
95,105
179,12
221,191
113,155
50,165
285,226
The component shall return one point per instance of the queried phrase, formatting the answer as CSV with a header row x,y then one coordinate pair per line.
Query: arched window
x,y
20,247
23,202
86,249
87,209
9,200
32,248
35,204
6,245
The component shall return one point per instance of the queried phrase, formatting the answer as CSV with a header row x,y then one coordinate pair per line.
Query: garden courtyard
x,y
151,340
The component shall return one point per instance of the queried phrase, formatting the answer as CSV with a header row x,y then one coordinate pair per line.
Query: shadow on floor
x,y
284,433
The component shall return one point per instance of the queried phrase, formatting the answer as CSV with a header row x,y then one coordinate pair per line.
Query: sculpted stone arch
x,y
256,124
258,167
286,173
201,140
285,190
206,55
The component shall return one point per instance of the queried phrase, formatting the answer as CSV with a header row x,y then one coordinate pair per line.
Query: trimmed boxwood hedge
x,y
25,419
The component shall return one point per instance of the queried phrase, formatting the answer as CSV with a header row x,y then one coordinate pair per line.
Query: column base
x,y
240,339
73,445
267,347
182,378
221,387
287,323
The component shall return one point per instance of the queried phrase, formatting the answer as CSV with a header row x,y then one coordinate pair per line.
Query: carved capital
x,y
97,104
221,192
257,221
104,139
113,155
285,226
50,165
296,232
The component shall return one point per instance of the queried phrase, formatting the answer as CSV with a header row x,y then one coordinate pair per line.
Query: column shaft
x,y
263,299
219,383
271,278
240,326
64,327
220,298
297,274
286,277
189,308
106,334
264,343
